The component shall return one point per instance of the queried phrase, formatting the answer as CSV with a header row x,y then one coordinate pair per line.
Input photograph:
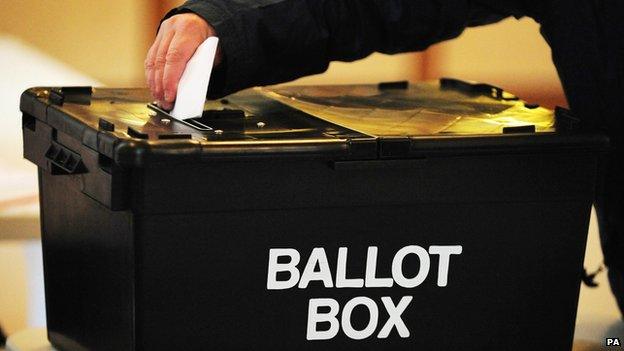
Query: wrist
x,y
192,22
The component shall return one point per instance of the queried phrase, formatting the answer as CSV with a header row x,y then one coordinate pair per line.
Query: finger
x,y
149,62
180,51
159,64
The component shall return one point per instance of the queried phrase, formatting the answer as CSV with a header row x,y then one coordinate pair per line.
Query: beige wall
x,y
510,54
106,39
373,69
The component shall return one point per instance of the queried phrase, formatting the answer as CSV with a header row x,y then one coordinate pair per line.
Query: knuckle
x,y
185,25
174,55
160,60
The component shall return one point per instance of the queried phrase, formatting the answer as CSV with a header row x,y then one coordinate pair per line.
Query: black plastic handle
x,y
64,160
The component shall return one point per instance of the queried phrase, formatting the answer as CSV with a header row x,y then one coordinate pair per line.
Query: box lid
x,y
345,122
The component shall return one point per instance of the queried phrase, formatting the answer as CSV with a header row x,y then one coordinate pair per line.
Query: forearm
x,y
273,41
263,42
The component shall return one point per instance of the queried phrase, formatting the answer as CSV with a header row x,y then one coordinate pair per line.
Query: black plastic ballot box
x,y
434,216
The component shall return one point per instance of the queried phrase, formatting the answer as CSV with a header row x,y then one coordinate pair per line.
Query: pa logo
x,y
613,342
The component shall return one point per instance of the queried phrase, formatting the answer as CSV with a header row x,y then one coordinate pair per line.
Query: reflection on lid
x,y
422,109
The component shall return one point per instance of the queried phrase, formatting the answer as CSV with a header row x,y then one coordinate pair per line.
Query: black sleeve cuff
x,y
229,76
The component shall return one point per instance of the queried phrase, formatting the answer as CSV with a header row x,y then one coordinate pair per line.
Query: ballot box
x,y
443,215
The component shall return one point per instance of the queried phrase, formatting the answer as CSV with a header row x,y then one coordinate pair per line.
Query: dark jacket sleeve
x,y
272,41
586,38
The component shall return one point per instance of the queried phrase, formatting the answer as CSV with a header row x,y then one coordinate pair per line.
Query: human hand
x,y
176,42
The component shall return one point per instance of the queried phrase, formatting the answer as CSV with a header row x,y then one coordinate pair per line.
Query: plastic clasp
x,y
75,95
477,88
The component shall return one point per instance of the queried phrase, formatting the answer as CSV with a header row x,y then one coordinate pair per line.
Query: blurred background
x,y
103,43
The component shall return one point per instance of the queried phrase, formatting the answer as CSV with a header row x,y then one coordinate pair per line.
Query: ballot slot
x,y
236,122
191,122
224,119
195,123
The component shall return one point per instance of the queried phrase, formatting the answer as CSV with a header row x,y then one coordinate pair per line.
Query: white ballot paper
x,y
193,84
